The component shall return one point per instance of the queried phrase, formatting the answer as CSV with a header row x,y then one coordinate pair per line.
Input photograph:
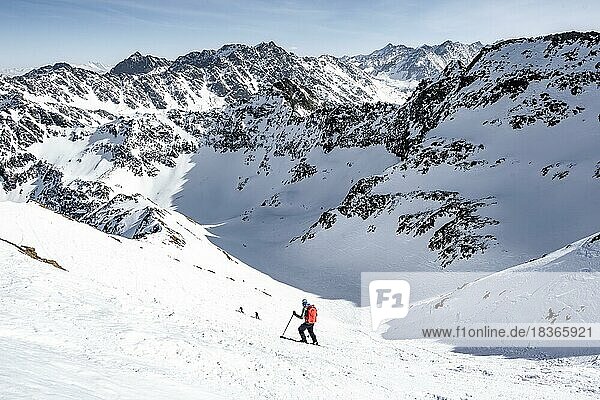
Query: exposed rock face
x,y
137,64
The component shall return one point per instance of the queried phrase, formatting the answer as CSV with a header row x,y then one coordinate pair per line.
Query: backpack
x,y
311,314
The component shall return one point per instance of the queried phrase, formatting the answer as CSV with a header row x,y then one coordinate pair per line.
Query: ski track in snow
x,y
135,319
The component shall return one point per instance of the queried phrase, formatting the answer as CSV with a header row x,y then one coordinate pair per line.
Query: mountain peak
x,y
227,49
270,44
49,69
271,47
137,64
232,52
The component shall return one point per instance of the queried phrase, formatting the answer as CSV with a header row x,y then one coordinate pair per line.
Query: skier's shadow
x,y
529,353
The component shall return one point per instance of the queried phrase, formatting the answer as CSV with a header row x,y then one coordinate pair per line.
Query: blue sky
x,y
36,32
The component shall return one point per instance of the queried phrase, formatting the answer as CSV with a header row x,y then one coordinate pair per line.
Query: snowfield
x,y
558,288
149,318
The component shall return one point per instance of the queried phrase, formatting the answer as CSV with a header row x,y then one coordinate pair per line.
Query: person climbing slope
x,y
309,313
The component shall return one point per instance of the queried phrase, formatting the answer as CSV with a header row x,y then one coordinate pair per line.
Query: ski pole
x,y
288,324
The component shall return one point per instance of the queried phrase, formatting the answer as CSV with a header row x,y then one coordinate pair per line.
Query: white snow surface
x,y
559,287
137,319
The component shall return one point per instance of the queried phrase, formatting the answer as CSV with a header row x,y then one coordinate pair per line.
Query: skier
x,y
309,313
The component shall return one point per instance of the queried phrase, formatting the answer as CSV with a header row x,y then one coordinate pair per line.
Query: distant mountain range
x,y
394,61
407,63
392,72
94,66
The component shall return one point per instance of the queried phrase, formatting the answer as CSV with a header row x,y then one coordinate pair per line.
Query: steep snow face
x,y
149,318
404,63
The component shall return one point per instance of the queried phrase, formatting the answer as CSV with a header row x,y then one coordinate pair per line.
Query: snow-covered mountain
x,y
312,178
414,64
137,64
87,315
14,71
465,175
95,66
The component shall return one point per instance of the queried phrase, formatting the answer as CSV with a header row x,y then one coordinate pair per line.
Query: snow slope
x,y
559,287
138,318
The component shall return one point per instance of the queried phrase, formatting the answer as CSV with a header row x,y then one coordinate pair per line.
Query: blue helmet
x,y
304,302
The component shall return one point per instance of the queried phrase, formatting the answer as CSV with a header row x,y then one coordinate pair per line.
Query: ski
x,y
298,341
